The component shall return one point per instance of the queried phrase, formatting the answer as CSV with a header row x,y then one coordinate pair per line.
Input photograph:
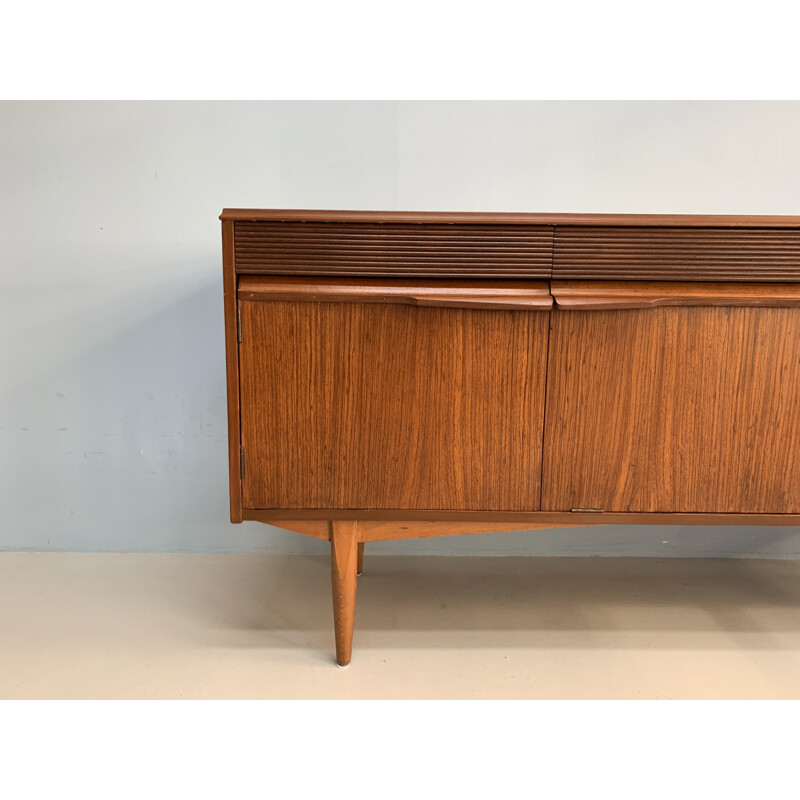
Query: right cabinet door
x,y
673,409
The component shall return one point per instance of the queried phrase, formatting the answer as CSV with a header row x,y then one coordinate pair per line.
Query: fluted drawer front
x,y
393,249
676,254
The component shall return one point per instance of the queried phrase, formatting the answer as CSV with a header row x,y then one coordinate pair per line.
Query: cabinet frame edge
x,y
232,371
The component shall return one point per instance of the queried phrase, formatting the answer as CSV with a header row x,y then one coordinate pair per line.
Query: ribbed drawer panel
x,y
676,254
393,249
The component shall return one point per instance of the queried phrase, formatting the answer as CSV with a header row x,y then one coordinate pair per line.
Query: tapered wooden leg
x,y
344,563
360,558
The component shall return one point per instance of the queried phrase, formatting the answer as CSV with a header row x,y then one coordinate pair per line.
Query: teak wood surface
x,y
599,295
675,253
400,374
376,531
344,572
451,293
399,249
408,522
514,218
349,405
674,410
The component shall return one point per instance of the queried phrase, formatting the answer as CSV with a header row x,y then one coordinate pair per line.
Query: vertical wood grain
x,y
674,409
232,369
368,406
344,560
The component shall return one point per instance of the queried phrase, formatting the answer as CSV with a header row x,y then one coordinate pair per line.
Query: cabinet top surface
x,y
514,218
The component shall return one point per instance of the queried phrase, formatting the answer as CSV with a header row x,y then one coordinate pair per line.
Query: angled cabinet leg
x,y
360,558
344,565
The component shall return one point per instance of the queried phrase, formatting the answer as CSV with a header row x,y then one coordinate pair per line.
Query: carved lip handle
x,y
450,293
518,295
602,295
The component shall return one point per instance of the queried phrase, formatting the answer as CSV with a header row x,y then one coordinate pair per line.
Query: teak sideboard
x,y
393,375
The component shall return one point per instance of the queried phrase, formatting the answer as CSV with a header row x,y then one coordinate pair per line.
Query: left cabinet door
x,y
392,395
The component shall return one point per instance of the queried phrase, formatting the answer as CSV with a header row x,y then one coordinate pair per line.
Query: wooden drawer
x,y
433,250
676,254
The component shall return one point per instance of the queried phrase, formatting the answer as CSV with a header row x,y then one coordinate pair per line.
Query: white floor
x,y
233,626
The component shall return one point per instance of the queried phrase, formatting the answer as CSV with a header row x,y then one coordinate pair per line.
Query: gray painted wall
x,y
112,395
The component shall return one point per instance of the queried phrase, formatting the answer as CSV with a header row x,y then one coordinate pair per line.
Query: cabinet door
x,y
391,395
687,408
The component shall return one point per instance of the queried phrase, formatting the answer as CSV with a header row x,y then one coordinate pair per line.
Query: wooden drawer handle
x,y
600,295
488,295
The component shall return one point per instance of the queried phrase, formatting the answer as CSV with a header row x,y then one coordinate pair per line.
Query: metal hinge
x,y
239,324
241,463
587,510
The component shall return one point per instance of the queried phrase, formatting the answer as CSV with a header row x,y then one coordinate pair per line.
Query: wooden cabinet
x,y
394,375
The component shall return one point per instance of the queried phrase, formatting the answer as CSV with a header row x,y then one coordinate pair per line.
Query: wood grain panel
x,y
450,293
393,249
676,254
644,294
391,406
675,410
